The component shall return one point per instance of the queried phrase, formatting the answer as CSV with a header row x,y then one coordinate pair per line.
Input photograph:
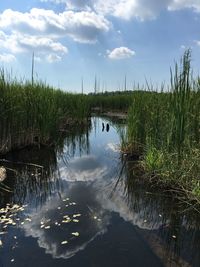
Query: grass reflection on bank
x,y
33,172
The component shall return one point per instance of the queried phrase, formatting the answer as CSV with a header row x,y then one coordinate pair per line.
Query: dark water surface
x,y
84,209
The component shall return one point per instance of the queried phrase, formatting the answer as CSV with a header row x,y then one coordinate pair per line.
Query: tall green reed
x,y
35,112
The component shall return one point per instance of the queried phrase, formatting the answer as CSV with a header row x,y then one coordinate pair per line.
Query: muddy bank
x,y
38,138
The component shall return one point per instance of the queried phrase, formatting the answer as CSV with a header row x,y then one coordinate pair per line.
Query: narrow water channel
x,y
82,208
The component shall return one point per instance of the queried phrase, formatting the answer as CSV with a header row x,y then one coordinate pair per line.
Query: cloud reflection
x,y
86,168
51,232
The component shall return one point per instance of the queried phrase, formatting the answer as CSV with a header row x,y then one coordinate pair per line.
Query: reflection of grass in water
x,y
36,174
176,230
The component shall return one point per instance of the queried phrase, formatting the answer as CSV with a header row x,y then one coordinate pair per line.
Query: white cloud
x,y
39,30
81,26
120,53
142,9
127,9
53,58
42,46
72,4
7,58
180,4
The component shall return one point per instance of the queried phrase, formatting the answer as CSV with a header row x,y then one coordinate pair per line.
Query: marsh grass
x,y
164,129
33,112
111,101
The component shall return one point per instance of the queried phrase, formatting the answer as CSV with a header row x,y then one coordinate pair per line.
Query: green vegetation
x,y
164,129
36,113
109,101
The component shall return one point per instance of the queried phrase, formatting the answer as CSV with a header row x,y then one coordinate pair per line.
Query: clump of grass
x,y
33,112
164,128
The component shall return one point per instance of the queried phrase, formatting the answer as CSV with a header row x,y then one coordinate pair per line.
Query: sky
x,y
76,40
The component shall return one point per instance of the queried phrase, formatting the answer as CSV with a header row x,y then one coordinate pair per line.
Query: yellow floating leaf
x,y
64,242
76,215
75,234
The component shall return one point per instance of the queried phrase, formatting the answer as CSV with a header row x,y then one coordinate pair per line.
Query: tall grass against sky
x,y
35,112
164,127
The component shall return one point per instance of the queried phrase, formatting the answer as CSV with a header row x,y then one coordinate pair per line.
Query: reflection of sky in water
x,y
86,220
101,167
88,181
86,168
84,177
88,190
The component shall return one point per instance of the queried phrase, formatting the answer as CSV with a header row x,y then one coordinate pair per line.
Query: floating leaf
x,y
76,215
66,199
75,234
64,242
3,233
66,221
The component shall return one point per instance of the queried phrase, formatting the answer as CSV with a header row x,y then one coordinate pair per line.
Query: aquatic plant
x,y
163,127
35,113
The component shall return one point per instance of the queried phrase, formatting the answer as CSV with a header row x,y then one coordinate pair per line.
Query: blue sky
x,y
75,39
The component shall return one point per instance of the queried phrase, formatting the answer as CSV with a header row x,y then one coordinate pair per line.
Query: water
x,y
83,208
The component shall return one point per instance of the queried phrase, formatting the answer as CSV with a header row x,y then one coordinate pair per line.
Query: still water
x,y
79,205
